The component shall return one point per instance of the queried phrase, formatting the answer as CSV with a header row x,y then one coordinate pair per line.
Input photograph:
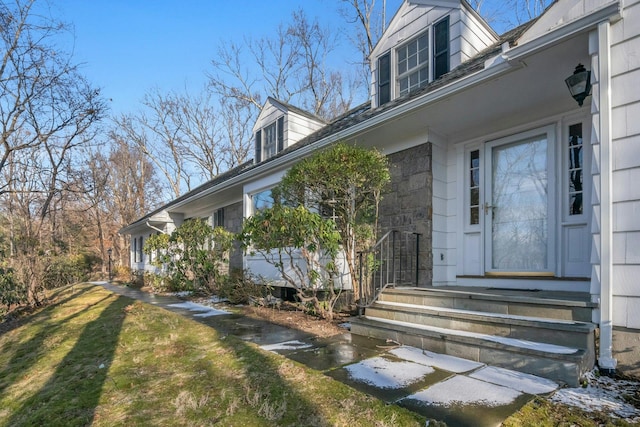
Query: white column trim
x,y
605,358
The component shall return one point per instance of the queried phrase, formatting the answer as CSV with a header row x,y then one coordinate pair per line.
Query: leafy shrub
x,y
65,270
193,257
12,292
303,247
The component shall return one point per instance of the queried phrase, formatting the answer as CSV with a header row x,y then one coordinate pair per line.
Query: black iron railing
x,y
394,260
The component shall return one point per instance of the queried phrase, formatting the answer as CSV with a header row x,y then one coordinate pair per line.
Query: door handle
x,y
487,206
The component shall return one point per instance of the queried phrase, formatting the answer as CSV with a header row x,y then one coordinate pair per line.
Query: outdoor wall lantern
x,y
579,83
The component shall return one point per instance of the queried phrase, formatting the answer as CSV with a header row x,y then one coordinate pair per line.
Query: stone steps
x,y
487,329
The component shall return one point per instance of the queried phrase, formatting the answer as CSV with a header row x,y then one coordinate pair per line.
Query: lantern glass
x,y
579,83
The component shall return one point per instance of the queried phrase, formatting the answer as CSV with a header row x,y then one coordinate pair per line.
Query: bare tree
x,y
115,188
236,123
292,66
510,13
188,138
155,132
47,111
370,22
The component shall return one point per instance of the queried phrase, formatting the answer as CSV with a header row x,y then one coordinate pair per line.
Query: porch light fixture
x,y
579,83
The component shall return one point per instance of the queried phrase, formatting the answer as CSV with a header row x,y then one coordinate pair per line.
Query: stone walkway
x,y
457,391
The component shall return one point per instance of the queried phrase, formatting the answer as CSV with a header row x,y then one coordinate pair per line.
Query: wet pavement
x,y
446,388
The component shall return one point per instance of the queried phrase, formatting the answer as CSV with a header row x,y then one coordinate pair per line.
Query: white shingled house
x,y
515,202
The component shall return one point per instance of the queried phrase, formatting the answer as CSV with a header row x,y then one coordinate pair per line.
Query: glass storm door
x,y
517,207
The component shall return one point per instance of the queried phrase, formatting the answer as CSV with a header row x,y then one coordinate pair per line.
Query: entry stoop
x,y
542,333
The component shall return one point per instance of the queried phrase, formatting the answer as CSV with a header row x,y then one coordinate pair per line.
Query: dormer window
x,y
417,62
270,140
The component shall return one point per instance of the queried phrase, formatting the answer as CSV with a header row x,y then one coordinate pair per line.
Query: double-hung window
x,y
269,140
138,246
218,218
413,64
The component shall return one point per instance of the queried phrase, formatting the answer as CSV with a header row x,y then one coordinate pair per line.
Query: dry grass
x,y
95,358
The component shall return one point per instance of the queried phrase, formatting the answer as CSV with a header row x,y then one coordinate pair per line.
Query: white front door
x,y
518,203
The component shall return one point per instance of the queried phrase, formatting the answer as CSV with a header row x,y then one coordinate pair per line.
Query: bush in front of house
x,y
194,257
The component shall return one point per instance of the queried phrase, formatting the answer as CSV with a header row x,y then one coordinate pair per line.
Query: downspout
x,y
602,105
155,228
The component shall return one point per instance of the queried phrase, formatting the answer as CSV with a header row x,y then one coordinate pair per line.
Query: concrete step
x,y
551,305
560,332
557,362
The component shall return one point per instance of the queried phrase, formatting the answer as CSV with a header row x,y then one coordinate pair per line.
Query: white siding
x,y
269,114
474,38
444,213
297,127
625,74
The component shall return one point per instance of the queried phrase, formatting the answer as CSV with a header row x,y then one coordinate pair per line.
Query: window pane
x,y
404,85
424,76
575,166
412,62
475,178
423,52
475,158
412,48
474,216
269,141
575,204
413,80
402,67
575,157
475,196
262,200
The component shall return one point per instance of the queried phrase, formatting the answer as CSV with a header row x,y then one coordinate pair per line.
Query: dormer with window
x,y
279,126
424,41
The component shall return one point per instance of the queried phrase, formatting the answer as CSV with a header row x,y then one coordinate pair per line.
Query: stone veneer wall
x,y
233,222
408,204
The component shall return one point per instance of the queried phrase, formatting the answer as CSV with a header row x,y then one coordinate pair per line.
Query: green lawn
x,y
92,357
96,358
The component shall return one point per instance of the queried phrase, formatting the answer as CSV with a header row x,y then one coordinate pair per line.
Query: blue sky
x,y
129,47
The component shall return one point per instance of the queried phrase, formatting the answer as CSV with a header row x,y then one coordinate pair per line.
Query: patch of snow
x,y
440,361
206,311
385,373
462,390
525,383
601,394
215,299
345,325
211,312
287,345
180,294
531,345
